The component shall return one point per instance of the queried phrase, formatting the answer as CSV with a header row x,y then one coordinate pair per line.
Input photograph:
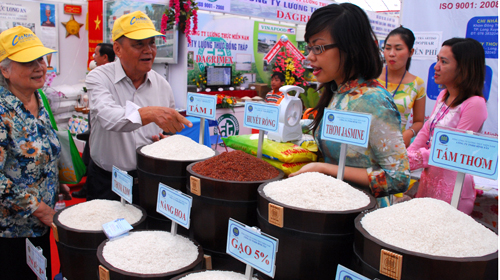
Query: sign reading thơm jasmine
x,y
252,247
122,184
174,205
201,105
466,153
261,116
351,128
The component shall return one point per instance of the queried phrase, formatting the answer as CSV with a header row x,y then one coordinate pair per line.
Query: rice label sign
x,y
36,261
344,273
122,183
174,205
351,128
201,105
463,152
116,228
261,116
252,247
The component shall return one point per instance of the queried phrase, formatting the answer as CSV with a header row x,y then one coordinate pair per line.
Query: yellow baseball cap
x,y
136,26
20,44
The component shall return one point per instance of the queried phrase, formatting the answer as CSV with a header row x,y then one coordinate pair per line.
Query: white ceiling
x,y
375,5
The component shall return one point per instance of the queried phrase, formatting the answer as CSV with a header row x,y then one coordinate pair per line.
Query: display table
x,y
235,93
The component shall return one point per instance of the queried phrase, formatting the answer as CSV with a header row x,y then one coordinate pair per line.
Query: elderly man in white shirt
x,y
130,105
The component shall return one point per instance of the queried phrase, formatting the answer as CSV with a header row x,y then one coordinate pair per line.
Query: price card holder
x,y
249,245
117,228
264,117
174,205
122,184
202,106
347,128
344,273
36,261
466,153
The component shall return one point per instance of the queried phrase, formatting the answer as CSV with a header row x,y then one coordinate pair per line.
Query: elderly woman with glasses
x,y
346,60
29,153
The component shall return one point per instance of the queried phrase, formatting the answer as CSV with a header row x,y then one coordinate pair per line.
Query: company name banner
x,y
296,11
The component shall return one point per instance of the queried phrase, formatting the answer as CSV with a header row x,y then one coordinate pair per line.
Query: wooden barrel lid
x,y
203,270
88,238
118,274
314,221
228,190
164,167
423,266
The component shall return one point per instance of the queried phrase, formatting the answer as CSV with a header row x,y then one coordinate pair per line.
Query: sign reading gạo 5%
x,y
252,247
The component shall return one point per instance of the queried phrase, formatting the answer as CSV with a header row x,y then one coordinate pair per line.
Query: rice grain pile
x,y
236,166
149,252
216,275
430,226
316,191
177,147
91,215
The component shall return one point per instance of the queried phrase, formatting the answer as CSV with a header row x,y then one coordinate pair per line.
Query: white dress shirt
x,y
116,125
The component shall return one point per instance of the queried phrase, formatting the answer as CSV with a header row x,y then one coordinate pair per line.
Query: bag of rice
x,y
307,142
283,152
287,168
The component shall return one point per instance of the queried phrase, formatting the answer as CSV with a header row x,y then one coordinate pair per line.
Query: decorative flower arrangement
x,y
200,82
225,101
180,12
239,79
291,67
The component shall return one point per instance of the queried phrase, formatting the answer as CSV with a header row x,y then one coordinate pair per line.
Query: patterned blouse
x,y
29,153
385,158
406,96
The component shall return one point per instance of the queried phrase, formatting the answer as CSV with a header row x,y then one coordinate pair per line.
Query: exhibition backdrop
x,y
223,40
433,22
41,18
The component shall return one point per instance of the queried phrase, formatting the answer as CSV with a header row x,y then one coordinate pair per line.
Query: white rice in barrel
x,y
91,215
150,252
177,147
430,226
316,191
216,275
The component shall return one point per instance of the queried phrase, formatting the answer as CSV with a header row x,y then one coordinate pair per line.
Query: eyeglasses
x,y
318,49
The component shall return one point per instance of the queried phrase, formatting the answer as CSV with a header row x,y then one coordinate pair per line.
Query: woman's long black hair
x,y
350,29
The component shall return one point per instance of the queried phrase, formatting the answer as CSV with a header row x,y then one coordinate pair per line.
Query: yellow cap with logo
x,y
20,44
136,26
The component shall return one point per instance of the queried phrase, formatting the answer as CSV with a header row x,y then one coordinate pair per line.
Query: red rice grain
x,y
236,166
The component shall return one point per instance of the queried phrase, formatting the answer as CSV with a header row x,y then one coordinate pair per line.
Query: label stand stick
x,y
459,183
173,228
261,140
341,166
202,130
122,201
249,272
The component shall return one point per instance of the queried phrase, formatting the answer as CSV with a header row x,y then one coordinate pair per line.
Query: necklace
x,y
436,119
394,92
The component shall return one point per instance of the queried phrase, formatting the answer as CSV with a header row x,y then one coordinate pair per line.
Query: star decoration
x,y
72,27
97,23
